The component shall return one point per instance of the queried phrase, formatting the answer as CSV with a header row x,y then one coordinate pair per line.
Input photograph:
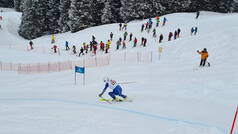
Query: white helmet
x,y
106,79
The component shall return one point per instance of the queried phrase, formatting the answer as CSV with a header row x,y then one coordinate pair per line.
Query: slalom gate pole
x,y
234,121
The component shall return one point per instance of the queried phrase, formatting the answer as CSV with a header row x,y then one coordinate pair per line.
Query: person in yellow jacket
x,y
204,56
52,38
108,45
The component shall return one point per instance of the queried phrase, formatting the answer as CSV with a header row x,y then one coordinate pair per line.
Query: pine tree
x,y
85,19
115,9
52,16
6,3
129,10
177,5
145,9
107,15
29,27
81,15
22,5
234,7
64,15
97,7
74,15
17,4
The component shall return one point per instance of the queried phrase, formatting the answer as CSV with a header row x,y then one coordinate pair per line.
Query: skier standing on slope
x,y
81,51
74,49
85,47
125,26
157,20
117,90
154,33
118,43
170,36
125,35
197,14
161,37
164,21
66,45
179,30
108,46
195,30
142,27
192,31
111,36
123,45
102,46
54,48
120,27
52,38
204,56
130,36
31,45
135,42
145,41
175,34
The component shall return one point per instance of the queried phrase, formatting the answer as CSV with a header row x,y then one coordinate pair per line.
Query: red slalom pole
x,y
234,121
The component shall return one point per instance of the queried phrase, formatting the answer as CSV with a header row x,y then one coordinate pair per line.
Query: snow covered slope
x,y
170,96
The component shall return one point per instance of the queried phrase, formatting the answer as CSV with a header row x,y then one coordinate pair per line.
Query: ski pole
x,y
127,82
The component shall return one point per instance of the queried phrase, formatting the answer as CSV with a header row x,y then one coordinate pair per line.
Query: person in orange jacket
x,y
204,56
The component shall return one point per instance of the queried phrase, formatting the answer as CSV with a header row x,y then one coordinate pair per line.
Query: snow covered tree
x,y
74,15
85,19
234,7
17,4
115,9
34,22
107,15
145,9
176,5
129,10
81,15
97,7
52,16
22,5
134,9
30,26
6,3
64,15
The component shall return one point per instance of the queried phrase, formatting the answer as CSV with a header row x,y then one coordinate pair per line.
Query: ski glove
x,y
100,95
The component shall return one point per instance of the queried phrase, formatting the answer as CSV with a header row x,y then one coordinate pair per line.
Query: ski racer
x,y
116,89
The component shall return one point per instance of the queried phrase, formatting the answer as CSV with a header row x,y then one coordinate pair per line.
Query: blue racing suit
x,y
116,89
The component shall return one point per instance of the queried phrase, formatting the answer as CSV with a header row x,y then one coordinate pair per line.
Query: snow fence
x,y
88,62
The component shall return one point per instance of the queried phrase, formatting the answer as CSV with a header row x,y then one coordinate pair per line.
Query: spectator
x,y
161,37
135,42
204,56
197,14
31,45
67,45
81,51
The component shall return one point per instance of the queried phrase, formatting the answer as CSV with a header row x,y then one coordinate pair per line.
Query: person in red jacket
x,y
170,36
135,42
102,46
54,48
95,49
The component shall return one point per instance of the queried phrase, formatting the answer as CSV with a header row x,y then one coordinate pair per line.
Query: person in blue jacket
x,y
164,21
66,45
116,89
